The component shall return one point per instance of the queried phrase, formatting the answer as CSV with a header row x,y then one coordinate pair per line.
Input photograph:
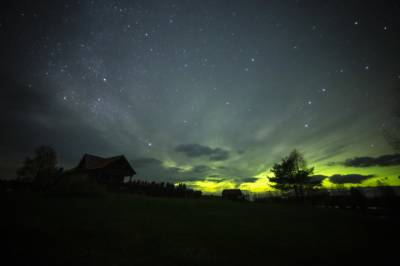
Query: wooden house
x,y
110,170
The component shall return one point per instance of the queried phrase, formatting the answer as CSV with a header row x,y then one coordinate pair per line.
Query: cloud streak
x,y
146,162
384,160
351,178
197,150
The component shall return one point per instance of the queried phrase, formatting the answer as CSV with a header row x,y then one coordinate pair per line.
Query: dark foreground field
x,y
135,230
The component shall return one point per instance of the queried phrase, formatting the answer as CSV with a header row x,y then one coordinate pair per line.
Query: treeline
x,y
383,199
40,173
163,189
14,184
75,185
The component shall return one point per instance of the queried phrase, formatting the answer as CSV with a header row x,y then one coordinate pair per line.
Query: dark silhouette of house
x,y
110,170
232,194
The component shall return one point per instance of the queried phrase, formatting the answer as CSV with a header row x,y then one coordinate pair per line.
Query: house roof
x,y
93,162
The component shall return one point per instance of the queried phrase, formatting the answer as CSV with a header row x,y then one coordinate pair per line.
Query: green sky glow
x,y
209,93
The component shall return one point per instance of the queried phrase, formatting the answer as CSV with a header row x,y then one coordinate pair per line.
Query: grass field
x,y
138,230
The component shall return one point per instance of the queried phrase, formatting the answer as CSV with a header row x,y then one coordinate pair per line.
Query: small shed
x,y
232,194
110,170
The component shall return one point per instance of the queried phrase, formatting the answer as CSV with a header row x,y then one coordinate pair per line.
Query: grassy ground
x,y
137,230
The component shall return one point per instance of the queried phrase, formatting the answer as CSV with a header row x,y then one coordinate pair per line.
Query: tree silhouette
x,y
391,130
41,168
392,135
292,174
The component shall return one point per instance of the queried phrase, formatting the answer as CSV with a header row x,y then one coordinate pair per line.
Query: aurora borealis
x,y
210,93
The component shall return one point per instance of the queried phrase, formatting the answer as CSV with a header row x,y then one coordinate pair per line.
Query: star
x,y
134,73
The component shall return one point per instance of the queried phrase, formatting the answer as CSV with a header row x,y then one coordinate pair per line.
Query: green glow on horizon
x,y
211,186
257,162
386,175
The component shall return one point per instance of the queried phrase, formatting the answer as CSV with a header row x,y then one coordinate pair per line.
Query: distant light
x,y
366,67
252,59
356,22
104,79
65,98
385,28
323,90
309,102
149,144
306,125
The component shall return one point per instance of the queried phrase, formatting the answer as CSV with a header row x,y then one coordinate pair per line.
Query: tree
x,y
41,168
292,173
391,132
392,136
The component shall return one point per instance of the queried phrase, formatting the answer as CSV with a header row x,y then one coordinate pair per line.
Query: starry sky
x,y
210,93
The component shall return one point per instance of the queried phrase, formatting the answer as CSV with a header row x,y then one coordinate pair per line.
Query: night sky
x,y
210,93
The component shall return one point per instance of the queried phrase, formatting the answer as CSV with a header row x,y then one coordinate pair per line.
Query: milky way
x,y
207,92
